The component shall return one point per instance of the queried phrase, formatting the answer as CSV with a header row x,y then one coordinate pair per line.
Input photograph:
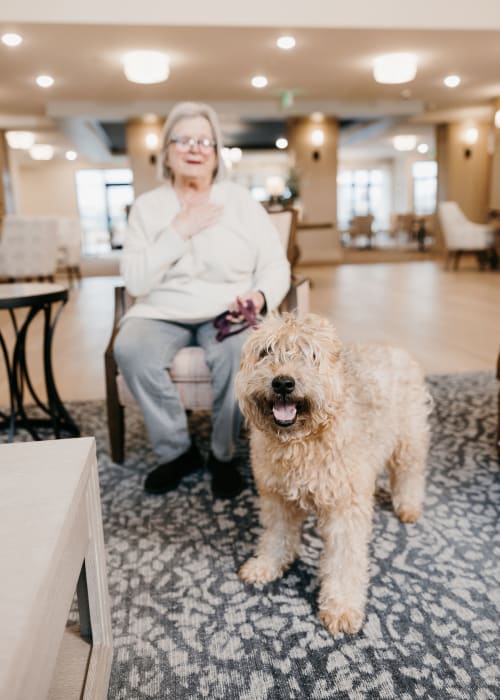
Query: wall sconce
x,y
470,138
497,119
152,141
317,140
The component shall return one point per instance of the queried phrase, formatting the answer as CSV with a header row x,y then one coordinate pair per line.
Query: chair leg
x,y
458,255
116,430
116,413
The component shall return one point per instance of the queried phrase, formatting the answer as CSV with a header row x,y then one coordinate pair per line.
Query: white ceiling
x,y
329,70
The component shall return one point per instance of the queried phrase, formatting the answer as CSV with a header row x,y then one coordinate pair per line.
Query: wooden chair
x,y
189,370
362,226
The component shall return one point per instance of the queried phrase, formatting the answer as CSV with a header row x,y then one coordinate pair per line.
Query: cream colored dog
x,y
325,419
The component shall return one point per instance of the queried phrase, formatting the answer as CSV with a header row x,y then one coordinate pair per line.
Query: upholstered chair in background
x,y
463,236
28,248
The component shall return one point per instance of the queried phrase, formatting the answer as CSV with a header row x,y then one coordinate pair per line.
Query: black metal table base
x,y
46,416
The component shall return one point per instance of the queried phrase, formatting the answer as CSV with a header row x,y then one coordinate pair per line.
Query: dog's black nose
x,y
283,384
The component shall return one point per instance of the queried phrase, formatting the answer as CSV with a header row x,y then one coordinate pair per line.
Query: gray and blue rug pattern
x,y
185,627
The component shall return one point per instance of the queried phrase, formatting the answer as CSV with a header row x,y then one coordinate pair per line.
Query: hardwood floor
x,y
449,321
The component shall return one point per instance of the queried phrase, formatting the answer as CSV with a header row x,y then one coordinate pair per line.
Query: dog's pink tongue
x,y
284,411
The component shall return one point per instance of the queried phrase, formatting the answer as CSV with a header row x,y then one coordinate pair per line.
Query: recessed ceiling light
x,y
285,42
71,155
281,143
42,151
395,68
404,142
45,81
452,81
423,148
11,39
20,139
146,67
259,81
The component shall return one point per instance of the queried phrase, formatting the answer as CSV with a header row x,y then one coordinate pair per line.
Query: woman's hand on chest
x,y
196,214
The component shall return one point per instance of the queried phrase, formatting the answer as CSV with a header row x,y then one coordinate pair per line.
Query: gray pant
x,y
144,349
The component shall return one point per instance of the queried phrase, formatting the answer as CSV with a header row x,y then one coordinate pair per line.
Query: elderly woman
x,y
195,247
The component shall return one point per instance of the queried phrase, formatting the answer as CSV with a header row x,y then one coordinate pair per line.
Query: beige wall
x,y
44,188
49,188
495,163
317,178
145,171
464,179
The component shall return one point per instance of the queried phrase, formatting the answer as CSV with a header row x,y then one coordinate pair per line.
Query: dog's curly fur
x,y
325,418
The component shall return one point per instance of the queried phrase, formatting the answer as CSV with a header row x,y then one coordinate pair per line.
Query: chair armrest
x,y
297,298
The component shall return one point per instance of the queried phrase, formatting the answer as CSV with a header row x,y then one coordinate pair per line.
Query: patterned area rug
x,y
185,627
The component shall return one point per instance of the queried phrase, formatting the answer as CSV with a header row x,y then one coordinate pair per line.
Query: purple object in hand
x,y
224,326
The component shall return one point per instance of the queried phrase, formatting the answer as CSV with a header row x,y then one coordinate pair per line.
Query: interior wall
x,y
142,160
466,179
317,177
44,188
48,188
495,163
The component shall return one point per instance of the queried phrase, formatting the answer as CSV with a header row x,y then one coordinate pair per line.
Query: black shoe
x,y
227,481
166,477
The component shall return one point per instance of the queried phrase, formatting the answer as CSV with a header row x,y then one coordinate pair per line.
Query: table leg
x,y
58,413
18,374
9,420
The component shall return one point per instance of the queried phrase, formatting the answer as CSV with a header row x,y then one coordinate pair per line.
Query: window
x,y
424,186
361,192
103,199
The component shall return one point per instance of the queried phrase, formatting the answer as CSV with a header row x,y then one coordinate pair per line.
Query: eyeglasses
x,y
185,143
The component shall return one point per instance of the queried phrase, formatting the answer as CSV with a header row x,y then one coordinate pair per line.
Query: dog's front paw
x,y
408,513
341,619
259,570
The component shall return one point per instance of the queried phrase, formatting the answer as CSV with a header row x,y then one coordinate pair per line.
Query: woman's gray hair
x,y
186,110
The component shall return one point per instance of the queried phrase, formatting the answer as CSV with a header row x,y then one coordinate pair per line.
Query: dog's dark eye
x,y
263,353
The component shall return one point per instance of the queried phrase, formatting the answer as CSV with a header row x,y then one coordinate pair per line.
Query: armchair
x,y
189,370
463,236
